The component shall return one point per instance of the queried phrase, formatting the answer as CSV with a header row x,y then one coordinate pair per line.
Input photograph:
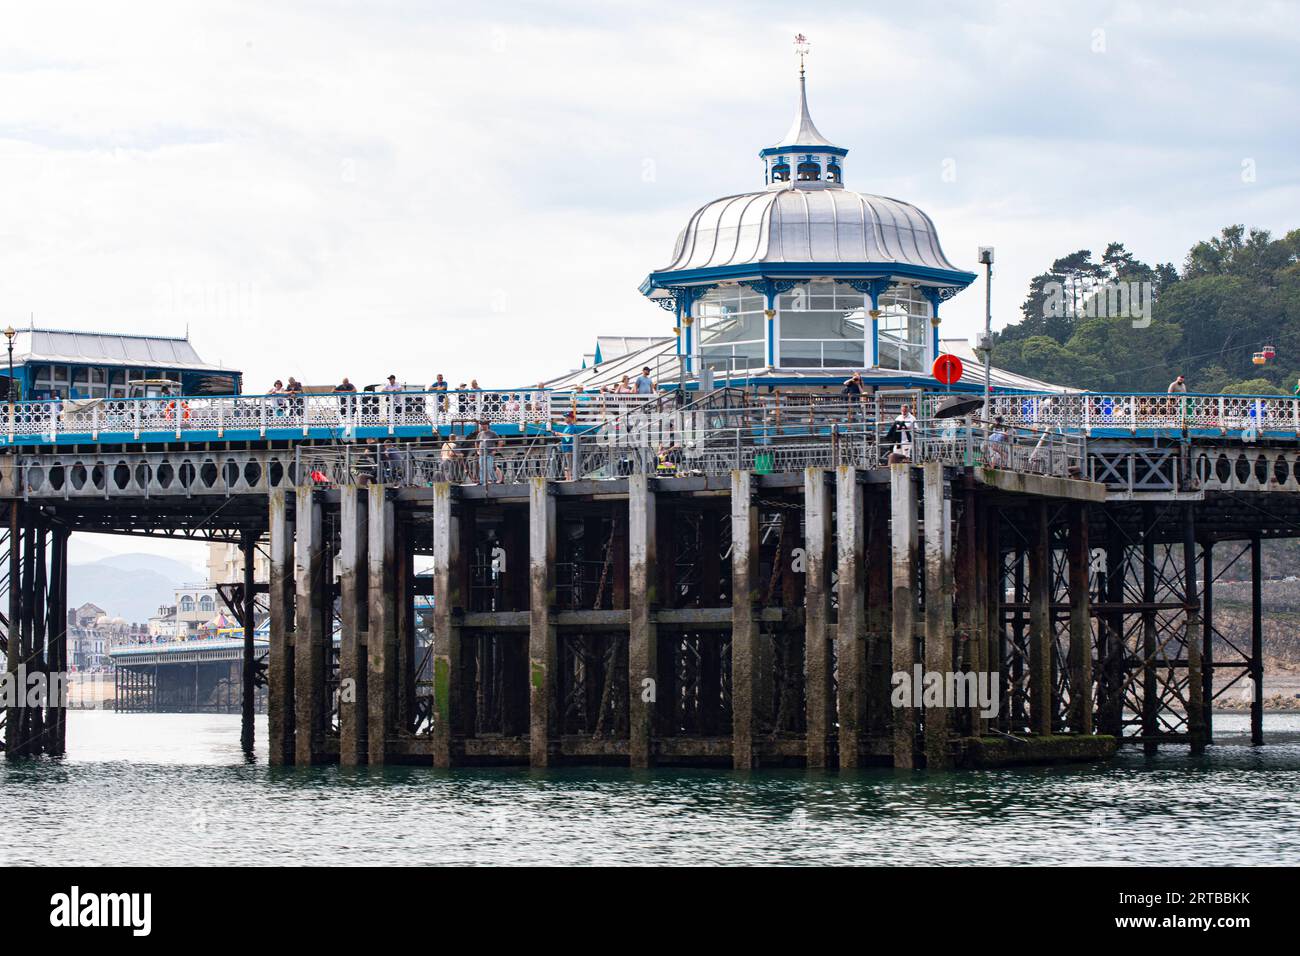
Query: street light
x,y
984,343
10,332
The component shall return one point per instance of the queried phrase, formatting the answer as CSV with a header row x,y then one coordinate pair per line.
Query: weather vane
x,y
801,47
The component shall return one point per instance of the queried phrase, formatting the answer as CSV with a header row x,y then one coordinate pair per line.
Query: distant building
x,y
162,625
197,607
226,564
58,363
92,633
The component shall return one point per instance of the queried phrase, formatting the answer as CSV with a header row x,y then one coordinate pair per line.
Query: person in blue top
x,y
644,383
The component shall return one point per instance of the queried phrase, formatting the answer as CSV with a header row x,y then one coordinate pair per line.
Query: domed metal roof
x,y
807,222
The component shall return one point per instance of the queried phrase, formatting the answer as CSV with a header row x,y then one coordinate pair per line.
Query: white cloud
x,y
364,188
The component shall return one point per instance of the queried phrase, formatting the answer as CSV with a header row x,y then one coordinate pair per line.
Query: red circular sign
x,y
947,369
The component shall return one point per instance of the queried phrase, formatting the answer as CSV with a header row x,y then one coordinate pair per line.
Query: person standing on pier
x,y
277,405
904,429
1177,406
345,399
488,444
439,388
644,383
392,387
294,388
854,392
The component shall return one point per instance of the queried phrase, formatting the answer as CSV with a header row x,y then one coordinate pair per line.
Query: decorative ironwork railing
x,y
341,414
627,417
702,452
1093,412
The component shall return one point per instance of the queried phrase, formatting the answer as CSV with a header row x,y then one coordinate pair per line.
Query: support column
x,y
817,613
938,610
993,588
310,632
1110,714
968,599
1192,635
541,621
879,641
36,660
1256,642
403,666
448,612
57,724
643,636
353,594
850,635
1207,639
280,660
1040,623
1150,692
744,623
14,713
1080,621
381,634
248,681
904,547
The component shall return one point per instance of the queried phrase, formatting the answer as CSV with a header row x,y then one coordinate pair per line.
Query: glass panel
x,y
732,329
734,357
904,329
823,325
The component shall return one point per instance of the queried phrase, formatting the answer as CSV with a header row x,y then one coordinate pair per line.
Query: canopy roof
x,y
63,346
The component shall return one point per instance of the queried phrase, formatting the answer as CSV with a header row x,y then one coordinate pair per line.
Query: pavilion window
x,y
51,381
822,325
809,172
833,174
903,329
781,173
731,328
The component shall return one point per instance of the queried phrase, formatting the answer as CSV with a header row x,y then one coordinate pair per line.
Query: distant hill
x,y
131,586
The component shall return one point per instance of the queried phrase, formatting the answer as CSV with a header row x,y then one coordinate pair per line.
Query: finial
x,y
801,48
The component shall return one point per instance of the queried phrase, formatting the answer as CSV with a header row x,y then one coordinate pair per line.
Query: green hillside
x,y
1234,294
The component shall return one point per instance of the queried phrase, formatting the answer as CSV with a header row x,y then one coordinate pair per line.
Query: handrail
x,y
350,416
578,455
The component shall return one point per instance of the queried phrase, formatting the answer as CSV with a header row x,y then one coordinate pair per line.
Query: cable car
x,y
1258,358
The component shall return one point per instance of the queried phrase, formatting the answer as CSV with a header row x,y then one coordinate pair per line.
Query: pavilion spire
x,y
803,132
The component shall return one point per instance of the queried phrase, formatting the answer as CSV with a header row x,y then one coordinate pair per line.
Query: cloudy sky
x,y
358,188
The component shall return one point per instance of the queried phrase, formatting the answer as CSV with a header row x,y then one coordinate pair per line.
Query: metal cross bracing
x,y
593,685
1152,630
1229,664
36,633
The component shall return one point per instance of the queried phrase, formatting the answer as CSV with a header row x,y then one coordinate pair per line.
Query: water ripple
x,y
162,789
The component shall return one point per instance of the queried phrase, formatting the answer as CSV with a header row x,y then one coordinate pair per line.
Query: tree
x,y
1238,292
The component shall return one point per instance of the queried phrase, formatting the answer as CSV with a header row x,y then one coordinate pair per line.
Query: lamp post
x,y
985,342
10,332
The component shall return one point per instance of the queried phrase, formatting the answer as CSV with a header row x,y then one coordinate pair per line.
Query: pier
x,y
727,578
737,543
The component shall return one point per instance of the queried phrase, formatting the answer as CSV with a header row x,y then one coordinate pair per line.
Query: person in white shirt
x,y
392,386
904,429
